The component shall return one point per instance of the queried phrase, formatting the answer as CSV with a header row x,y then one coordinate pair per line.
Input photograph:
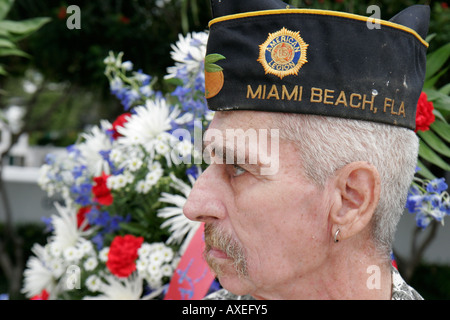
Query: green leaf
x,y
213,68
22,29
434,142
432,81
4,43
438,115
424,172
3,71
442,129
436,60
428,154
5,6
440,100
430,37
174,81
213,58
445,89
133,228
13,52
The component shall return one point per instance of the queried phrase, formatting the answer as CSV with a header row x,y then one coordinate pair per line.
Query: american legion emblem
x,y
283,53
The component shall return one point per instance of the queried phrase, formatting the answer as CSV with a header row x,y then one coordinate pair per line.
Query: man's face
x,y
262,232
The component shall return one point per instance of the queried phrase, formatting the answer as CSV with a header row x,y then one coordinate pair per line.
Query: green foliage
x,y
434,147
13,31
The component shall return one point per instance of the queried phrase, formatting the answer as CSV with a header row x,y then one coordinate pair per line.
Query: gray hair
x,y
327,144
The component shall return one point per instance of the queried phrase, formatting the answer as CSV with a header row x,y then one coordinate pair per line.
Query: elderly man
x,y
337,94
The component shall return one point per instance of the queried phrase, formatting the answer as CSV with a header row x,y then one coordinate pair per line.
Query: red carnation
x,y
424,114
101,191
119,122
122,255
81,217
44,295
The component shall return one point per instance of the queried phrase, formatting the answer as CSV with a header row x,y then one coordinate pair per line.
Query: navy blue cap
x,y
263,55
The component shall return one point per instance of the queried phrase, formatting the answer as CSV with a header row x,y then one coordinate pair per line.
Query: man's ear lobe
x,y
357,195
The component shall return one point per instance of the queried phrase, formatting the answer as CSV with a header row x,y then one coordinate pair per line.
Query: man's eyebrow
x,y
224,152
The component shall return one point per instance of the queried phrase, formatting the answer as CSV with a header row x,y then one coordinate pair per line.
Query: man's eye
x,y
237,170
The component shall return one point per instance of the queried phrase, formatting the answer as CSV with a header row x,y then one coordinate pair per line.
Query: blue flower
x,y
445,207
48,224
78,171
73,149
83,193
192,171
129,97
414,203
437,185
142,77
50,159
98,240
423,220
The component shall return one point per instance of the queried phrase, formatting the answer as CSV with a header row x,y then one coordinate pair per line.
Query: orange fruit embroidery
x,y
214,78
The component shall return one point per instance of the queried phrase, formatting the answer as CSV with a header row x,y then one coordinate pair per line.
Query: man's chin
x,y
235,284
228,277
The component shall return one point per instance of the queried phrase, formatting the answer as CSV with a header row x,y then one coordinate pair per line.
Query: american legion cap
x,y
263,55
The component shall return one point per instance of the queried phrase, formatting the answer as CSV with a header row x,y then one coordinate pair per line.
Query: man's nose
x,y
206,201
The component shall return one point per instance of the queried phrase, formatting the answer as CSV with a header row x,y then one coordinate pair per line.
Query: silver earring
x,y
335,236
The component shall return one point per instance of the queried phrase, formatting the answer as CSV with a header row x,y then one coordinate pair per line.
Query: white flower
x,y
154,270
152,166
127,65
181,228
117,182
95,141
156,258
111,183
90,264
103,254
93,283
129,177
143,186
54,249
119,289
188,53
153,176
37,275
57,266
110,59
166,270
147,123
66,232
85,246
167,254
144,250
72,254
116,84
134,164
141,266
209,115
161,148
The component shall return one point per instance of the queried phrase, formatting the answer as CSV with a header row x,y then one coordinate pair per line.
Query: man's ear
x,y
357,192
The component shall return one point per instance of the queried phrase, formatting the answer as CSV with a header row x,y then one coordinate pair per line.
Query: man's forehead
x,y
242,119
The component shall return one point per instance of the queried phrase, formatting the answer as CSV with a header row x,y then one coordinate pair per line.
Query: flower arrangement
x,y
120,232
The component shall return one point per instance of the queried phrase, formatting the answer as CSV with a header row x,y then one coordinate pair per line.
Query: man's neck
x,y
345,277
